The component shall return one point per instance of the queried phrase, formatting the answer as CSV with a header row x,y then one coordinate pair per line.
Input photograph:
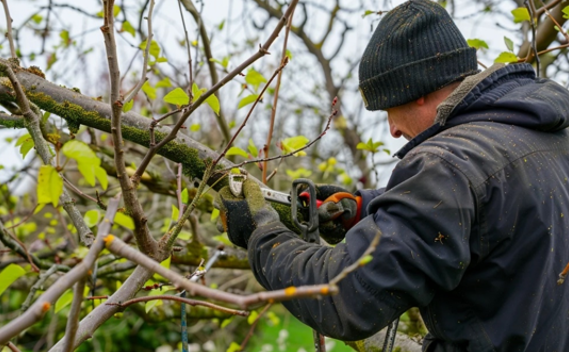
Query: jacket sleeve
x,y
424,218
367,196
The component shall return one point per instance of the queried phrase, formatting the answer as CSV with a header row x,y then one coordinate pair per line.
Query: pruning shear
x,y
306,202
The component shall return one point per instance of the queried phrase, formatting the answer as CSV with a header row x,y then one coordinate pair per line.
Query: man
x,y
474,218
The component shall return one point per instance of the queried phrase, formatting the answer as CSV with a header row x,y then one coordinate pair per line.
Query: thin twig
x,y
284,59
38,285
143,77
73,317
253,326
545,8
44,303
563,275
263,50
332,115
12,347
15,244
118,247
189,5
531,8
144,240
9,28
191,302
23,221
357,264
42,148
191,71
275,74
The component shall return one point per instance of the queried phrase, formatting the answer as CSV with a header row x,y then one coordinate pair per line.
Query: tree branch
x,y
9,28
73,317
145,241
263,50
32,122
44,303
188,4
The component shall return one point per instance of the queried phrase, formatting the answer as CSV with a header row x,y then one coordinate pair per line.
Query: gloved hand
x,y
339,211
240,216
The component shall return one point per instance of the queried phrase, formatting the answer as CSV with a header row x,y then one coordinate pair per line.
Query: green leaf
x,y
175,212
149,90
37,18
195,127
177,97
64,35
185,196
127,27
101,175
128,106
506,57
252,149
254,78
124,220
52,59
154,48
10,274
184,236
477,43
566,12
214,214
252,317
367,13
213,103
64,300
226,322
288,54
116,10
234,347
291,144
365,260
165,83
50,185
509,44
92,217
26,143
247,100
80,152
88,172
197,92
521,14
221,25
299,173
237,151
165,264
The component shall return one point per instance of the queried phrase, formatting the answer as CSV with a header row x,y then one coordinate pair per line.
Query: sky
x,y
492,29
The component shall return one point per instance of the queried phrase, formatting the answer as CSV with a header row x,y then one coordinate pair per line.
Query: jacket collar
x,y
470,88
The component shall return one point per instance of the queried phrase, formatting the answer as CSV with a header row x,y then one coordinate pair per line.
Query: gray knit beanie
x,y
415,50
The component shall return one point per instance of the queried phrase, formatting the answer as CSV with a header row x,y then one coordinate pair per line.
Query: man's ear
x,y
420,101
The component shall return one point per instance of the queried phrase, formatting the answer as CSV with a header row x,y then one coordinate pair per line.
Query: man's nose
x,y
395,132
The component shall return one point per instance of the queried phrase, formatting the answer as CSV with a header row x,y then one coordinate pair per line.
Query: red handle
x,y
305,197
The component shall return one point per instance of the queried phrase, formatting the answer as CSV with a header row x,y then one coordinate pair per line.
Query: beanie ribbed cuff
x,y
414,80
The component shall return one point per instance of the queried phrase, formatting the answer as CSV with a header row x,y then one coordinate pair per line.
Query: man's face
x,y
409,120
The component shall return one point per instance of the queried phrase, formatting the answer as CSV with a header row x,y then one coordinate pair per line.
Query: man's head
x,y
415,50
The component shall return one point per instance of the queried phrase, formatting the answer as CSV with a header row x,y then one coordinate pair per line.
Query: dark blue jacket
x,y
474,223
